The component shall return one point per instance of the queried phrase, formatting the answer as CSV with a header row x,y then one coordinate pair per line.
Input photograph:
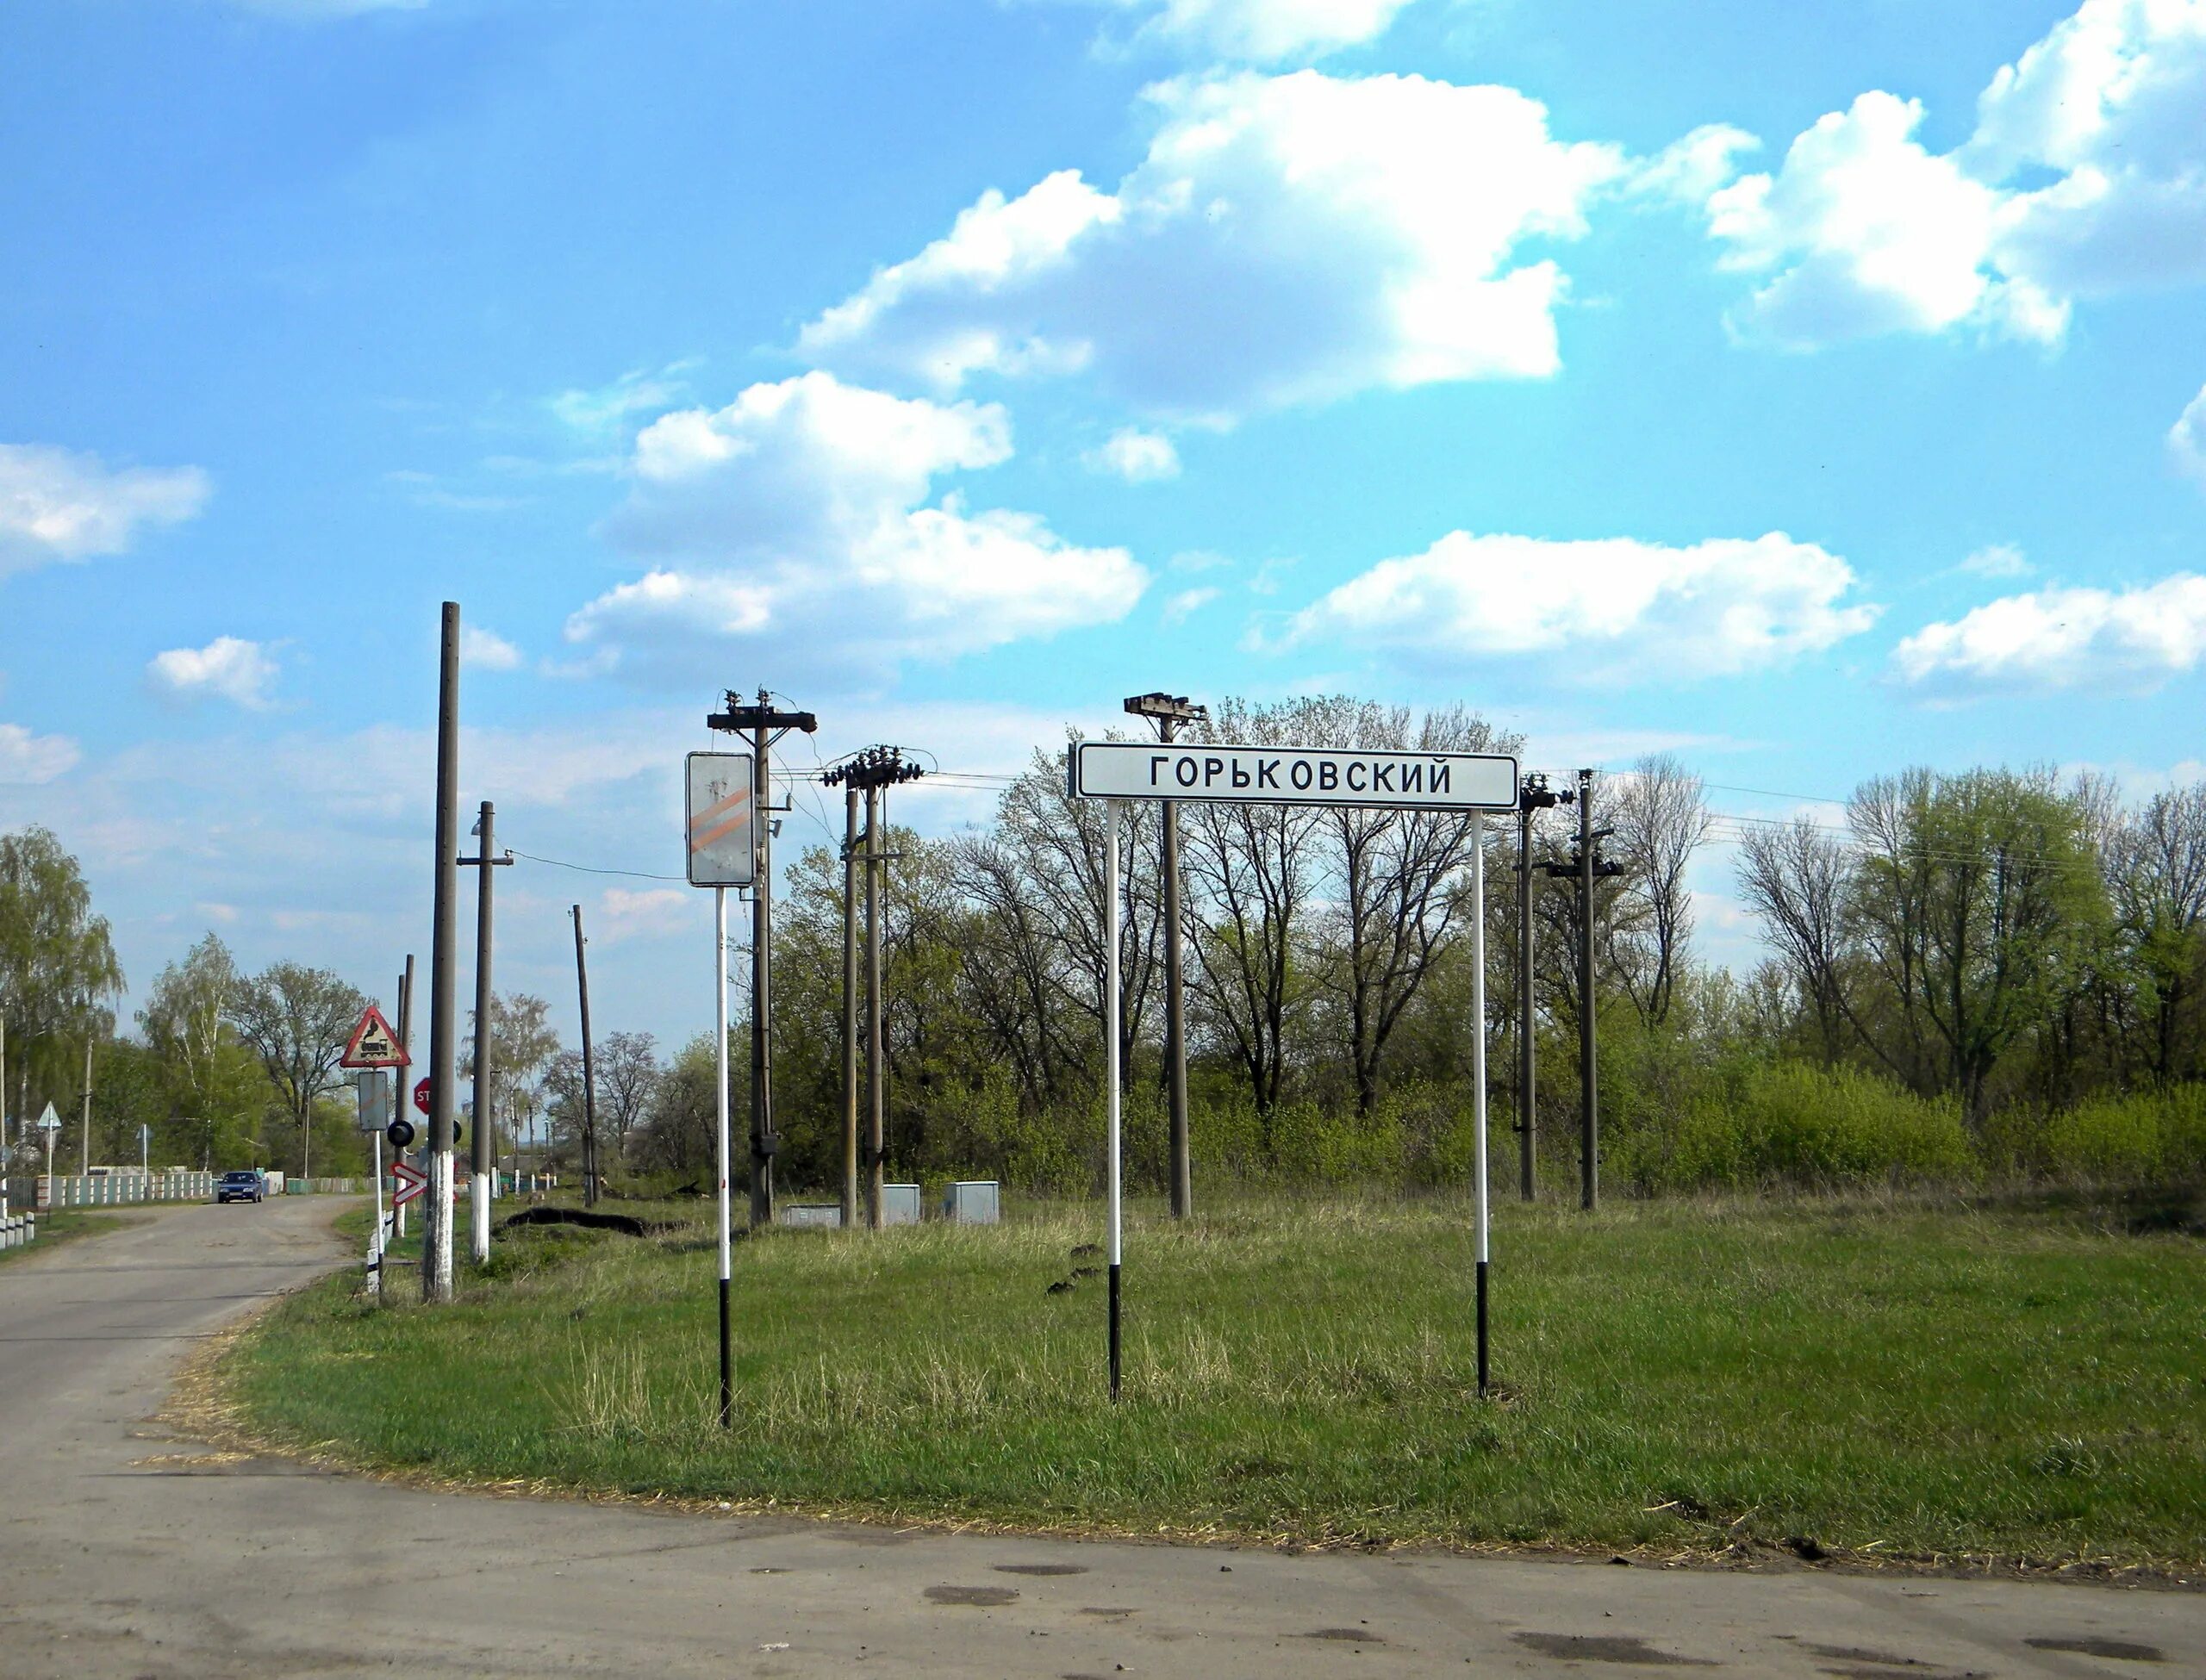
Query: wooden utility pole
x,y
850,1007
589,1084
88,1105
1169,713
1585,867
398,1105
872,772
1533,797
766,726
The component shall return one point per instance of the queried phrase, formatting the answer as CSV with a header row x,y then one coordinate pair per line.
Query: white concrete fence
x,y
111,1190
18,1229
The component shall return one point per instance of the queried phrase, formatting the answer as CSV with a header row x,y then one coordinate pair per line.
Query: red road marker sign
x,y
373,1044
421,1093
411,1183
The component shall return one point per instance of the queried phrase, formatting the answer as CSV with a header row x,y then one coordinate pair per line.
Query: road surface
x,y
126,1552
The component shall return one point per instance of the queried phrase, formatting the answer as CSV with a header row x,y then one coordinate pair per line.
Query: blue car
x,y
247,1187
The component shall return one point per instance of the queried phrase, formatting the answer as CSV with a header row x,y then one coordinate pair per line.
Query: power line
x,y
592,869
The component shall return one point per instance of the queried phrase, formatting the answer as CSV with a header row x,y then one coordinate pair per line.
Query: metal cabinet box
x,y
899,1204
975,1202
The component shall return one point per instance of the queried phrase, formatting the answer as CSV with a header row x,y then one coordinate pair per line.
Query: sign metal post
x,y
723,829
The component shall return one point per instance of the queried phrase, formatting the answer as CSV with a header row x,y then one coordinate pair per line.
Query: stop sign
x,y
421,1094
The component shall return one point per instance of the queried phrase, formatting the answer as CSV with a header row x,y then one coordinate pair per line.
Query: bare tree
x,y
627,1072
1795,878
1252,875
1660,816
524,1044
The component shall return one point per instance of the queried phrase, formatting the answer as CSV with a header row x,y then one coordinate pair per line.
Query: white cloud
x,y
2187,438
625,914
57,504
487,650
2129,639
1137,456
1996,560
228,667
800,512
1285,240
28,759
1186,602
605,411
1263,31
1628,608
1863,230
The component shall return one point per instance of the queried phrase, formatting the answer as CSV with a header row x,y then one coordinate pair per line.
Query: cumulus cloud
x,y
58,504
1137,456
1183,605
1262,31
227,668
2128,639
27,760
802,511
1863,230
1285,240
487,650
1631,608
2187,438
624,914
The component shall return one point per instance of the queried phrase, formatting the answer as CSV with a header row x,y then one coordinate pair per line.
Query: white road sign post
x,y
722,851
1471,783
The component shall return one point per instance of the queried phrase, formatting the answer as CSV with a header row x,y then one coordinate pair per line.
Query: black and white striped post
x,y
1113,1166
1478,1080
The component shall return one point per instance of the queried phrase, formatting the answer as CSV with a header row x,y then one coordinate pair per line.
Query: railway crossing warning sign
x,y
373,1044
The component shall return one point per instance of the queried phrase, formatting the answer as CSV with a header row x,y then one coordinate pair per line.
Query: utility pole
x,y
444,975
767,725
398,1103
482,1159
1586,867
873,772
590,1084
1533,797
1169,713
850,1007
88,1105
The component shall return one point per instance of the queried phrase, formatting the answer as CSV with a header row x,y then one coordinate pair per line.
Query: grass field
x,y
1888,1378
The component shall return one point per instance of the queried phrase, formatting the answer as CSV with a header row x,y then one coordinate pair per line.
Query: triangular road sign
x,y
373,1044
49,1120
411,1183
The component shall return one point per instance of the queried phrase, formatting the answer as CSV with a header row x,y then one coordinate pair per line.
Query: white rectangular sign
x,y
1293,776
722,834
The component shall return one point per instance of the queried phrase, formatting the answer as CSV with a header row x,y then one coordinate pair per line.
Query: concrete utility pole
x,y
483,1155
1533,797
444,975
1169,713
873,771
589,1084
767,725
850,1007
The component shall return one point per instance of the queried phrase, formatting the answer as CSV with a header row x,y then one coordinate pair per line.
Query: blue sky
x,y
1809,391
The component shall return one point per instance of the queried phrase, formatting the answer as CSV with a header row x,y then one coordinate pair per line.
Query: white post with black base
x,y
1113,1171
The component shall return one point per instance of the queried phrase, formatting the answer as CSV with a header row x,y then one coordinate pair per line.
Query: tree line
x,y
1989,969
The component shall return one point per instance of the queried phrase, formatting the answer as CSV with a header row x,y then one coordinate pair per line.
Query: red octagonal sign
x,y
421,1094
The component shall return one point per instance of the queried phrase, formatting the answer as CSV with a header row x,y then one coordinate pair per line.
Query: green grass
x,y
1892,1378
61,1225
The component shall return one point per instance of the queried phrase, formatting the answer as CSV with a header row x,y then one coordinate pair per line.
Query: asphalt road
x,y
126,1552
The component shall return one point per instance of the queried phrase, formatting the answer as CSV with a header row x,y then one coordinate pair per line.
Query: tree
x,y
1977,902
627,1072
298,1019
2157,873
58,968
215,1086
523,1044
1252,875
1660,816
1795,877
